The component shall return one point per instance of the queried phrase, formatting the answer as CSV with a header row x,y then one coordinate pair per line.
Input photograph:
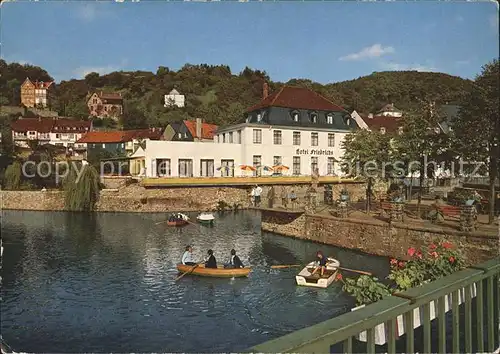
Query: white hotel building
x,y
294,127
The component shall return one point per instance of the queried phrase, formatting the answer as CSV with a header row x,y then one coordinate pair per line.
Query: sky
x,y
322,41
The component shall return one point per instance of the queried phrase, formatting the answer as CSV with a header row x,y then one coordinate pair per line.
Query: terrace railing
x,y
472,326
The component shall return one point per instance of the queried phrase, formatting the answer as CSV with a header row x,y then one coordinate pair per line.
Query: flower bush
x,y
425,265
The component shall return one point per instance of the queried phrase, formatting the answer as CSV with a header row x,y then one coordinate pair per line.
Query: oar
x,y
341,268
188,271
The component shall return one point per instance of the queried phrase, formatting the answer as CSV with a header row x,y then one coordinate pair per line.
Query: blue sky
x,y
321,41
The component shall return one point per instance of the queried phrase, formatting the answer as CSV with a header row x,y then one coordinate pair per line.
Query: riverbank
x,y
378,237
138,199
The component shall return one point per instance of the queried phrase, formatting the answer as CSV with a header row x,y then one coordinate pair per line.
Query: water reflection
x,y
102,283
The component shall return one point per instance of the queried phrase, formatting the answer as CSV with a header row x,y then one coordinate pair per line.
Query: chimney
x,y
370,115
198,128
265,90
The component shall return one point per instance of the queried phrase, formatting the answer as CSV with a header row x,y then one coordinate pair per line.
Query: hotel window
x,y
296,165
259,117
314,139
347,120
185,168
230,137
314,164
331,139
296,138
314,117
227,169
295,116
276,160
329,118
257,136
180,135
239,136
163,167
257,162
277,137
206,168
224,137
330,167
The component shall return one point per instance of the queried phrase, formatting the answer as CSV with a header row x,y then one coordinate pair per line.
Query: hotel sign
x,y
314,152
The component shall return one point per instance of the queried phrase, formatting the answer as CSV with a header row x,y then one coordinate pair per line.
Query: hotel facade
x,y
294,127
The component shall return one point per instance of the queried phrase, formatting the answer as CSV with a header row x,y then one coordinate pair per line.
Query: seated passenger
x,y
187,257
211,262
234,261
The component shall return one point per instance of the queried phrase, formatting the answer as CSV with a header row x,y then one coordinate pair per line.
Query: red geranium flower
x,y
401,264
434,254
432,246
394,261
447,245
418,255
338,277
411,251
452,259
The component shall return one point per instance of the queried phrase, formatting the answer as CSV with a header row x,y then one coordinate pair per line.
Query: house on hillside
x,y
174,98
36,93
380,123
389,110
105,105
59,131
449,113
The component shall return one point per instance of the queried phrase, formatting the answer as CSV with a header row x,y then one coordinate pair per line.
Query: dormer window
x,y
314,117
329,118
259,117
382,130
295,116
347,120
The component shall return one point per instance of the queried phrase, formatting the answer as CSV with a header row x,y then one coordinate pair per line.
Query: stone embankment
x,y
379,238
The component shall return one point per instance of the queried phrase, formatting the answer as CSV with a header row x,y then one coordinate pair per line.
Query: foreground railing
x,y
339,334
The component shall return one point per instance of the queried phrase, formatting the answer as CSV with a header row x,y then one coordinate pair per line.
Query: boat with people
x,y
219,272
307,278
206,218
177,219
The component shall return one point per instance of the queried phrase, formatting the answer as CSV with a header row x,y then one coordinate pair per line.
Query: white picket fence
x,y
381,330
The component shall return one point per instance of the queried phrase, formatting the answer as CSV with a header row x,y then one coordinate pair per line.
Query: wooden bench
x,y
385,206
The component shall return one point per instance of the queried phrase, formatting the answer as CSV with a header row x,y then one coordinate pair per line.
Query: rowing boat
x,y
220,272
305,277
178,219
206,218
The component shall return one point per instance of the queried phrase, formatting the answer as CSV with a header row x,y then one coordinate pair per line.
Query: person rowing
x,y
187,257
211,262
321,261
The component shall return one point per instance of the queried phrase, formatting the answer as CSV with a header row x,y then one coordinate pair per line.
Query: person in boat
x,y
187,257
234,261
321,259
211,262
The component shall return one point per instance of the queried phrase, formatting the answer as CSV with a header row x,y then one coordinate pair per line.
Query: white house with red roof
x,y
35,93
294,127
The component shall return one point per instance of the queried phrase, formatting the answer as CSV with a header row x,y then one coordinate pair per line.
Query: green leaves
x,y
81,191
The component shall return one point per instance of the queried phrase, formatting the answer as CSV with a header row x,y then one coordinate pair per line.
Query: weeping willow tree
x,y
81,192
12,177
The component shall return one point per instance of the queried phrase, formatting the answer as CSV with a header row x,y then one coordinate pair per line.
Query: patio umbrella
x,y
280,167
247,168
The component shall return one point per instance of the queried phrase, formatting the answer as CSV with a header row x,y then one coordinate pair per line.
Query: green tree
x,y
477,128
13,176
367,154
133,118
77,109
81,192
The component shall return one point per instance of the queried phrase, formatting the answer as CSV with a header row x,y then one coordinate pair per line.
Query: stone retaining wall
x,y
382,239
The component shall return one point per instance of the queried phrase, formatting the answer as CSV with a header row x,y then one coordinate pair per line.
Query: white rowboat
x,y
304,278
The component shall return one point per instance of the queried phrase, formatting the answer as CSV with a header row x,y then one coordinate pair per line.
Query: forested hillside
x,y
220,96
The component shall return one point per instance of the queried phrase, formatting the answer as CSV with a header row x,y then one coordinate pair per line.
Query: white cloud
x,y
408,67
374,51
82,71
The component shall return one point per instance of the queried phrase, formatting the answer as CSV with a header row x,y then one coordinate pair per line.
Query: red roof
x,y
41,125
121,136
207,130
110,95
39,84
115,136
391,124
298,98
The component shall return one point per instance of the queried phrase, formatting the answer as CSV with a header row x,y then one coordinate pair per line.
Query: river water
x,y
76,282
